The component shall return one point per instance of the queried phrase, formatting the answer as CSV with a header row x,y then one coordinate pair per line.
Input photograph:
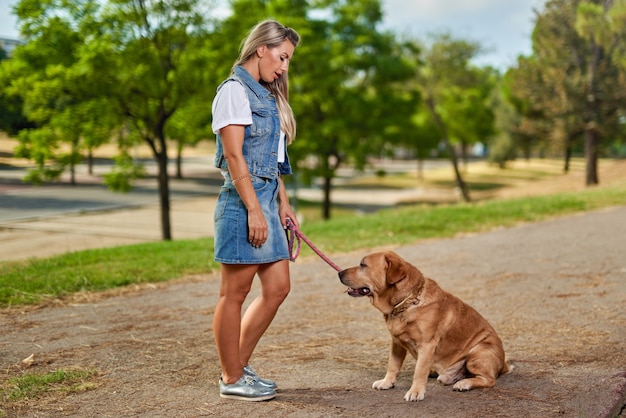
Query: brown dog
x,y
446,336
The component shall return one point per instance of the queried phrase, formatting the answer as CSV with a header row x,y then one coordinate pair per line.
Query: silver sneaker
x,y
246,388
248,371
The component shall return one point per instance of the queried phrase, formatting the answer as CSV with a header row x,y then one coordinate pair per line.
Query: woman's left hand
x,y
286,212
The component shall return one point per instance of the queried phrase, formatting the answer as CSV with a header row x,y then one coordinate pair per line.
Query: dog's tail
x,y
508,367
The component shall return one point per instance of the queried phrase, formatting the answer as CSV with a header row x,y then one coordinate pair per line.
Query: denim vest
x,y
260,145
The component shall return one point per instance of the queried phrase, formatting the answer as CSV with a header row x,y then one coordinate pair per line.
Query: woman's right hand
x,y
232,139
257,228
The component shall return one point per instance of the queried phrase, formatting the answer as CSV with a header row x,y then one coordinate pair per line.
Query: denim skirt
x,y
231,225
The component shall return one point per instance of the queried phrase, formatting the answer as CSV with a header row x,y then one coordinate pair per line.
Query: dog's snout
x,y
343,277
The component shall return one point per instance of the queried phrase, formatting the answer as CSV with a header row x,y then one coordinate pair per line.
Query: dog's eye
x,y
362,264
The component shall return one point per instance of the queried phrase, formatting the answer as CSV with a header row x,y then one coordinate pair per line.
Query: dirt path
x,y
555,292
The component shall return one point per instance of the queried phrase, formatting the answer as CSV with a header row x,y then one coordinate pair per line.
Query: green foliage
x,y
571,89
617,24
125,171
345,77
40,145
591,22
520,88
56,96
89,68
502,147
455,95
12,119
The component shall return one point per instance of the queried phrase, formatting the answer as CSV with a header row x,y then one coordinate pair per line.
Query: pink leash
x,y
295,236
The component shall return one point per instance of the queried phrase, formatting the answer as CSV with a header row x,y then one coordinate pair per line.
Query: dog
x,y
448,338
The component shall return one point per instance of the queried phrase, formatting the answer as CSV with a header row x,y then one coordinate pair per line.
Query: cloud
x,y
502,27
477,13
434,9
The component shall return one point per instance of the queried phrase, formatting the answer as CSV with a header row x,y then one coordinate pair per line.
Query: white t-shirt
x,y
232,107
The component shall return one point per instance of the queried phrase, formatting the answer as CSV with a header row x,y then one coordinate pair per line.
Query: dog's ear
x,y
396,268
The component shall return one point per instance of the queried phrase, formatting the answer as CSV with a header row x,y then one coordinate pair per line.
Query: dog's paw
x,y
383,384
462,385
414,395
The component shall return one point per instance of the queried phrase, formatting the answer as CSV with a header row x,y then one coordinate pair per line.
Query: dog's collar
x,y
405,304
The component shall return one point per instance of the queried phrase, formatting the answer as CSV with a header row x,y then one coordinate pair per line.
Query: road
x,y
21,202
40,221
553,290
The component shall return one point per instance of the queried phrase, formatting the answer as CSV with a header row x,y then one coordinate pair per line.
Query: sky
x,y
502,27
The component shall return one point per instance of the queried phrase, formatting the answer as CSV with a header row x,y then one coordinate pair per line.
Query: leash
x,y
295,237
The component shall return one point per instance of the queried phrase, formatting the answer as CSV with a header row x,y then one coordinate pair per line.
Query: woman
x,y
253,122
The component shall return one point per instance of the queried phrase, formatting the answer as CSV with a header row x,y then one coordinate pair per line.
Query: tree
x,y
455,93
157,63
350,92
345,77
592,25
471,118
91,66
12,119
524,88
502,146
573,83
41,77
423,139
188,126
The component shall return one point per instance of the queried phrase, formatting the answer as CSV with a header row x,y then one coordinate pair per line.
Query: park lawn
x,y
42,279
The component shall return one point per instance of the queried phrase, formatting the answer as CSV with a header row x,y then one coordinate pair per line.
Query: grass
x,y
36,280
409,224
34,385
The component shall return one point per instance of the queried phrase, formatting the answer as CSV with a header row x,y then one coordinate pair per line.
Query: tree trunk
x,y
179,159
73,161
591,134
160,156
90,161
331,162
568,157
464,156
73,174
591,157
459,179
420,168
453,158
326,204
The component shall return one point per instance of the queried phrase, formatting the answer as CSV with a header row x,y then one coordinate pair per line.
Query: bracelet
x,y
240,178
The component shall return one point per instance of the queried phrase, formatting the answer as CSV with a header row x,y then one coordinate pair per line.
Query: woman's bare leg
x,y
275,286
235,286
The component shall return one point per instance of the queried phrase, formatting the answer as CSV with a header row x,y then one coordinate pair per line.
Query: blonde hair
x,y
273,34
